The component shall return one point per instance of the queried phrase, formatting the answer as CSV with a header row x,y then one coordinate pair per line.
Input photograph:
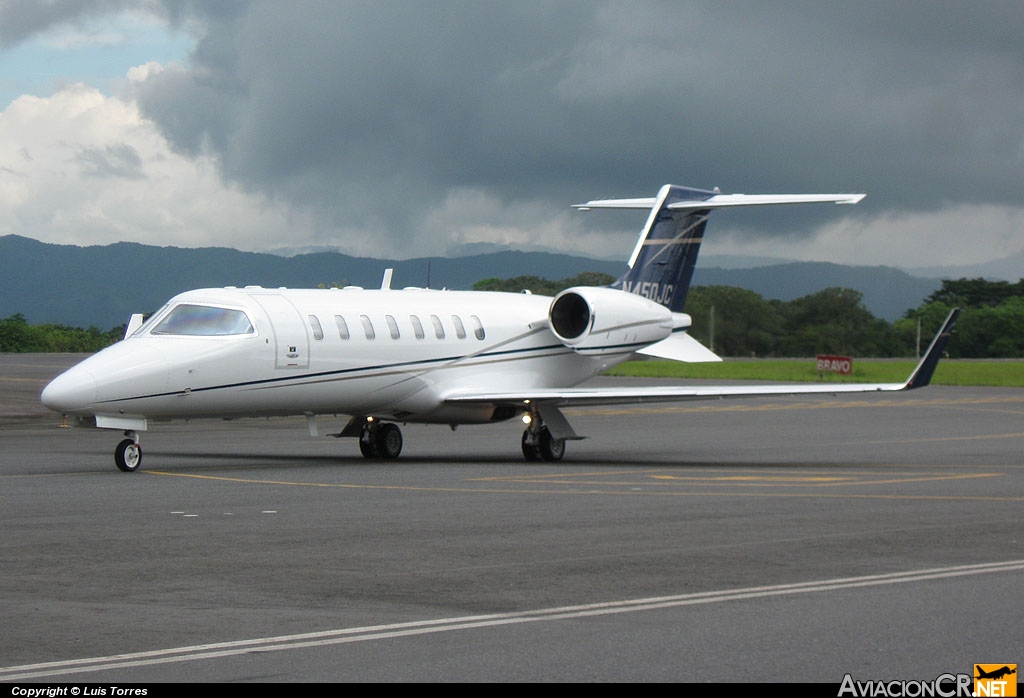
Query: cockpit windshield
x,y
204,321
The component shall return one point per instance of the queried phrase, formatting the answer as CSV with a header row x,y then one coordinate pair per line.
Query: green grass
x,y
949,372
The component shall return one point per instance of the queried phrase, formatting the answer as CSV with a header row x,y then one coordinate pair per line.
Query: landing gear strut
x,y
379,440
539,444
128,454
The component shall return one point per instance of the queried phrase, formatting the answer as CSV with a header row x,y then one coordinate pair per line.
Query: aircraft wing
x,y
569,397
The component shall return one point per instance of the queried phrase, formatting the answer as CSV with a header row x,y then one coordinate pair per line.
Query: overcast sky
x,y
409,128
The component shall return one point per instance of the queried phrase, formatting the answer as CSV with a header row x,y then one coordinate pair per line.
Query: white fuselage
x,y
388,354
450,357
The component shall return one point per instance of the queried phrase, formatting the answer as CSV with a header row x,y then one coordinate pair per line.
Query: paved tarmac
x,y
783,539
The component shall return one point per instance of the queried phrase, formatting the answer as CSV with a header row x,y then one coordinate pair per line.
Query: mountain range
x,y
102,286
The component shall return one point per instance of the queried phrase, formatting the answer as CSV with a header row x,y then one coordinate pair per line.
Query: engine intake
x,y
571,317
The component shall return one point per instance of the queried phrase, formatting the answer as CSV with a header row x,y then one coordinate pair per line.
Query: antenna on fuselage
x,y
385,283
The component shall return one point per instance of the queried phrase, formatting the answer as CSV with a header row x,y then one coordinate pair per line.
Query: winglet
x,y
922,375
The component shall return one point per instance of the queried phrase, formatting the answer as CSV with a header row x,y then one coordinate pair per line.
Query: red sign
x,y
835,364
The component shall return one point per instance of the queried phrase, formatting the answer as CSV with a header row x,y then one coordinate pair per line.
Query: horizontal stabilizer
x,y
725,201
734,200
643,202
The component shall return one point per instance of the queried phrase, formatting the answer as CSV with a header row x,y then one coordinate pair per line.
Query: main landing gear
x,y
128,454
384,439
539,444
380,440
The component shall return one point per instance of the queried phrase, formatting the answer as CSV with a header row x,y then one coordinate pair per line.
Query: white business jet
x,y
383,356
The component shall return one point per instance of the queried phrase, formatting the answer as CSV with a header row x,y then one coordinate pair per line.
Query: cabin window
x,y
438,327
342,326
314,324
392,326
367,326
460,329
204,321
478,327
417,327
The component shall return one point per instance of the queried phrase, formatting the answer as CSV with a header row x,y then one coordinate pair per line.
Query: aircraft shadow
x,y
266,460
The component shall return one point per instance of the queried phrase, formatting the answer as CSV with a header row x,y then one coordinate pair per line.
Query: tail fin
x,y
663,259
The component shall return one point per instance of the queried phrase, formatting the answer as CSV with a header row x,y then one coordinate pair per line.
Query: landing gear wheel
x,y
367,446
531,447
368,440
128,456
550,447
388,441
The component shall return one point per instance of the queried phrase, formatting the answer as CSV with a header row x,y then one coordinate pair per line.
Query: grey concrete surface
x,y
446,565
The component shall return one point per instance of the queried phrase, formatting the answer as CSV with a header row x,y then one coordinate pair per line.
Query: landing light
x,y
527,418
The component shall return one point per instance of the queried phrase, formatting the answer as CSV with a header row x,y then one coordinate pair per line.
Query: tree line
x,y
835,321
992,324
733,321
739,322
17,335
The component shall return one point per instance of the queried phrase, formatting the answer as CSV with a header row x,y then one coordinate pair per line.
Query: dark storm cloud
x,y
338,104
20,19
366,114
359,109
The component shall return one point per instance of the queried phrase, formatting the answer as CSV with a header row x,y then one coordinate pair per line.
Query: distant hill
x,y
1009,268
888,292
104,285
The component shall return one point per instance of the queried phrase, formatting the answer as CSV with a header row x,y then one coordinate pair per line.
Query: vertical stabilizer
x,y
662,262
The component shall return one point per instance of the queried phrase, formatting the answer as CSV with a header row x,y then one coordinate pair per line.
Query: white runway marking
x,y
377,632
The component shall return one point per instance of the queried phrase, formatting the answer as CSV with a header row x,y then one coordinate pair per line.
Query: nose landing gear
x,y
128,454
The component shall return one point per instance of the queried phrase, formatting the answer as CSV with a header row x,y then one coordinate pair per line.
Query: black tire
x,y
368,446
128,456
550,447
530,451
388,441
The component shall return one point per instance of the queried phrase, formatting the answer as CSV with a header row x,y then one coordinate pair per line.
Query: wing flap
x,y
578,397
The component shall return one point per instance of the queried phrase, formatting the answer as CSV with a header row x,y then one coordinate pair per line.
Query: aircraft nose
x,y
70,391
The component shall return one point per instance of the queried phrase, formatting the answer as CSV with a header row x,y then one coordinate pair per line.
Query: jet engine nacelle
x,y
597,319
